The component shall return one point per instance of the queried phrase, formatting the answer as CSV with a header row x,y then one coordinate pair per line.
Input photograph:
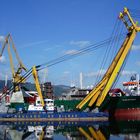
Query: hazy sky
x,y
46,29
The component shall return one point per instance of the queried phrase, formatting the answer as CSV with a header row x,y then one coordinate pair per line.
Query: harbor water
x,y
107,130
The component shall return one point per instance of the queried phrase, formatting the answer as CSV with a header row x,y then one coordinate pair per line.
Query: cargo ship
x,y
120,105
124,104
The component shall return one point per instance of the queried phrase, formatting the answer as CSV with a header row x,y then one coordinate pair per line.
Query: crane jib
x,y
100,91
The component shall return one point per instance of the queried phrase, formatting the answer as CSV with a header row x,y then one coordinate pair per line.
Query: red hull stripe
x,y
127,114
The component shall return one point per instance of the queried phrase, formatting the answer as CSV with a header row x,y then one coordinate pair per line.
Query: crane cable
x,y
135,14
104,60
25,76
115,50
78,53
112,49
64,58
121,70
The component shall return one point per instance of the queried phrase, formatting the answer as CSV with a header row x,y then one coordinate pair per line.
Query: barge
x,y
54,117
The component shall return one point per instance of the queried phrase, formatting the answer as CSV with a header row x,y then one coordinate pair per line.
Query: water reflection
x,y
71,130
129,129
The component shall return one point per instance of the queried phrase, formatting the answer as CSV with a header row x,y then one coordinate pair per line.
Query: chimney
x,y
81,80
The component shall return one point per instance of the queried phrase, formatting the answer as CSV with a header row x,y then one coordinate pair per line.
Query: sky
x,y
47,29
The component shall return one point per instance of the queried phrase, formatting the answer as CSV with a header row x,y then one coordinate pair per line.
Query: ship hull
x,y
123,108
127,114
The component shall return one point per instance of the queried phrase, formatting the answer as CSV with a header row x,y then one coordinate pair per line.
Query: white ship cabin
x,y
48,132
131,88
49,105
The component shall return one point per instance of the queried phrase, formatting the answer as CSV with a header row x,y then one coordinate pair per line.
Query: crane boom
x,y
9,39
98,94
35,76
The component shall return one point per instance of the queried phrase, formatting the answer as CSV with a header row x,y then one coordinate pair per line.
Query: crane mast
x,y
98,94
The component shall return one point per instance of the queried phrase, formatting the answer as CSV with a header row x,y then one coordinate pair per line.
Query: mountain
x,y
2,84
57,89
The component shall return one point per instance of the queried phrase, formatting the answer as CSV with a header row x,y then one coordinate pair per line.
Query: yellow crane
x,y
36,80
99,93
16,75
92,134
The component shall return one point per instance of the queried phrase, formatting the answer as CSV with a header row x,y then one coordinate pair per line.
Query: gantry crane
x,y
100,91
16,75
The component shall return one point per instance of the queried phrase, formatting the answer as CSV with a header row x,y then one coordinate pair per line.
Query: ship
x,y
125,107
124,104
121,104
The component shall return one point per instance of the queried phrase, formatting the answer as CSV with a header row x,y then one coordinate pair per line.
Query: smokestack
x,y
6,78
81,80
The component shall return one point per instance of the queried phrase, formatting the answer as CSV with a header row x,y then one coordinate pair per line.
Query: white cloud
x,y
97,73
43,74
81,43
2,38
66,72
127,72
103,71
2,59
135,47
32,44
5,72
2,76
52,47
138,63
71,52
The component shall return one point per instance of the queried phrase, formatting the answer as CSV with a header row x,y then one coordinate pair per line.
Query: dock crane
x,y
16,75
98,94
